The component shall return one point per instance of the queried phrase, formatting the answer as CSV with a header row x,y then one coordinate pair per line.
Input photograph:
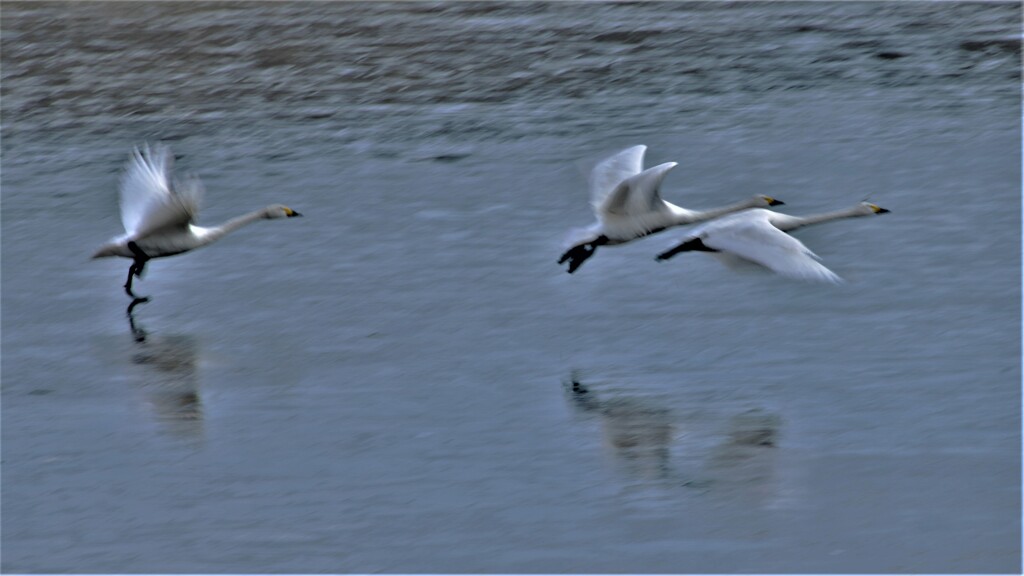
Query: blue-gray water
x,y
386,385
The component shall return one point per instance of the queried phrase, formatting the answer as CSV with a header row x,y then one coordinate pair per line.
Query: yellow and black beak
x,y
773,201
878,209
291,213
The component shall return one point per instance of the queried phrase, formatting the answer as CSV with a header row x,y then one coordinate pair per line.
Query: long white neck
x,y
684,216
217,232
794,222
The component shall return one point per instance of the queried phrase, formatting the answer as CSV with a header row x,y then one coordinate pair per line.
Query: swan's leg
x,y
128,283
579,253
135,270
694,244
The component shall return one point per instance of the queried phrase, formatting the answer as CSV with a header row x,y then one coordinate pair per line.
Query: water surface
x,y
405,381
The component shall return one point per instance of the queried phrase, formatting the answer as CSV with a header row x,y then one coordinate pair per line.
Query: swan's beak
x,y
293,213
773,201
878,209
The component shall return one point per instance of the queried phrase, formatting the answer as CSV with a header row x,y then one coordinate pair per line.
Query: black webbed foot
x,y
577,255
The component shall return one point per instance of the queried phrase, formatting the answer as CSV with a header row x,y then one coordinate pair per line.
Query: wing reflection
x,y
169,380
743,466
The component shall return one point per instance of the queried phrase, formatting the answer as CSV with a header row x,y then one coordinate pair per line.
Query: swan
x,y
628,205
760,236
158,214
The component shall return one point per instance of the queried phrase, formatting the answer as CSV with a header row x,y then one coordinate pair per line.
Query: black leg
x,y
693,244
135,270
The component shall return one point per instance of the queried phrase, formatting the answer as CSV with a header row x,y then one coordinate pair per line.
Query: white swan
x,y
760,236
158,215
628,205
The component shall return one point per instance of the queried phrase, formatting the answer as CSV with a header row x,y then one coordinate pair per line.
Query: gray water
x,y
405,381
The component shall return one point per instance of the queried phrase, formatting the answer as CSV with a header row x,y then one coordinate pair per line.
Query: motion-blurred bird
x,y
159,215
628,205
760,236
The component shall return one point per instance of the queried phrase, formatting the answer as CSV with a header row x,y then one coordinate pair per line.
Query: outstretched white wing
x,y
750,235
610,172
638,194
149,203
635,207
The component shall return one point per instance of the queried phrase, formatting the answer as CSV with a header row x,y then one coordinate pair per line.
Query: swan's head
x,y
762,200
869,209
279,211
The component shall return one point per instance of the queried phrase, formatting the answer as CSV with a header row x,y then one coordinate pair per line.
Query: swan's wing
x,y
189,192
638,194
610,172
755,239
148,202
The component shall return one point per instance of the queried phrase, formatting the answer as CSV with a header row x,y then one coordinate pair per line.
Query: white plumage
x,y
627,202
158,214
760,236
149,203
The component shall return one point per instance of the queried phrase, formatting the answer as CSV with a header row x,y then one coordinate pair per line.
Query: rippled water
x,y
405,381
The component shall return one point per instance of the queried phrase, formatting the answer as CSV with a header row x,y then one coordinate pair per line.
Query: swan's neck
x,y
684,216
210,234
794,222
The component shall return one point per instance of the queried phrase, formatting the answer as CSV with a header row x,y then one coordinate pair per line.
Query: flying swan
x,y
760,236
159,215
628,206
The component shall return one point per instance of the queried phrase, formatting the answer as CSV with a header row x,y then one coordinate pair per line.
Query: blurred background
x,y
405,381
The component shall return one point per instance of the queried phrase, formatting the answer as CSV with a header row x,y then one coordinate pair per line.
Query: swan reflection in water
x,y
638,432
743,466
738,463
169,379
